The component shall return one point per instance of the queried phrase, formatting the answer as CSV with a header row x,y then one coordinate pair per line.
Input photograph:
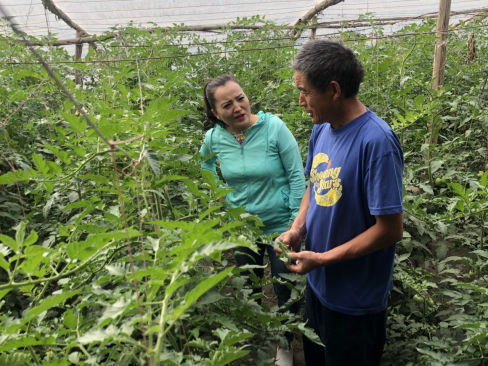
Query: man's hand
x,y
291,238
304,262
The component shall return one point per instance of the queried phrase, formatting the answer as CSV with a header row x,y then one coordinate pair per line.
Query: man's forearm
x,y
299,224
387,231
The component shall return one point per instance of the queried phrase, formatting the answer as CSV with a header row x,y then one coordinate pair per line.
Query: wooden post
x,y
313,33
440,43
78,52
439,56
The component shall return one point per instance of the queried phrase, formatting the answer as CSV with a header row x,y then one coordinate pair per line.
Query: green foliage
x,y
72,291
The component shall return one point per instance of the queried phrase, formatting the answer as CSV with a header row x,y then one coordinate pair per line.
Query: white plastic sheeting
x,y
98,16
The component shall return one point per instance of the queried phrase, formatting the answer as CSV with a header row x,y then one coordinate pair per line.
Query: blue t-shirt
x,y
355,173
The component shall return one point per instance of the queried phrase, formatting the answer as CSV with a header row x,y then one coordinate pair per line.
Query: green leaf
x,y
427,188
98,335
310,334
80,204
484,179
48,205
31,239
209,211
12,177
175,358
169,178
85,249
49,303
22,342
236,337
26,72
58,362
114,310
177,284
153,159
20,234
77,125
198,291
224,357
40,164
473,287
209,178
11,243
117,269
97,178
79,151
69,319
4,292
15,359
435,165
458,189
55,168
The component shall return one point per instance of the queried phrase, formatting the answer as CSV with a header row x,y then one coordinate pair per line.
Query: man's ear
x,y
336,89
216,114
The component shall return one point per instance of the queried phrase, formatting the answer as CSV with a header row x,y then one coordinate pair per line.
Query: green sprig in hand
x,y
284,252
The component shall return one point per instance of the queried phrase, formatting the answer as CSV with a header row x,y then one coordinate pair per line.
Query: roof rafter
x,y
49,5
309,15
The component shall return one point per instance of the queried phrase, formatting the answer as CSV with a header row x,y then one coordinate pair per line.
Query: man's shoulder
x,y
377,132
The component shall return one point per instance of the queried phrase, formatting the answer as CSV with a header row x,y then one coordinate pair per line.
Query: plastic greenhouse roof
x,y
98,16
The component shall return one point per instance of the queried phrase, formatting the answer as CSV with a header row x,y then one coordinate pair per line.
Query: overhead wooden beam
x,y
309,15
49,5
351,23
80,32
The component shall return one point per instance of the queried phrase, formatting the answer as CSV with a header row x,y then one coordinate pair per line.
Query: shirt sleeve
x,y
383,184
292,162
311,144
208,164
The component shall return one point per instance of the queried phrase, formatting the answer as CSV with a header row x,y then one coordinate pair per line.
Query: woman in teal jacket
x,y
260,159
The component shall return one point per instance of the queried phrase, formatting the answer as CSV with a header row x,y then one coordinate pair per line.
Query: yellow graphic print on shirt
x,y
326,184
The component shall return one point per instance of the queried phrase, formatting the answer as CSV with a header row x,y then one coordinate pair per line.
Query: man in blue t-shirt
x,y
351,212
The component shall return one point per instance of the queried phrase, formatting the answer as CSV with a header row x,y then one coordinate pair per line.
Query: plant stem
x,y
482,239
33,355
168,201
158,206
162,323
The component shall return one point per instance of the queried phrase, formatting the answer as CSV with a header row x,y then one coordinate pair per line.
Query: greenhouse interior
x,y
223,182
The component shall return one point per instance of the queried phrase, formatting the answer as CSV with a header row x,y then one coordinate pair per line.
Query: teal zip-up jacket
x,y
266,171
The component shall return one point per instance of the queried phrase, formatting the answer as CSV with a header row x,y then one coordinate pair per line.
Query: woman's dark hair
x,y
322,61
209,95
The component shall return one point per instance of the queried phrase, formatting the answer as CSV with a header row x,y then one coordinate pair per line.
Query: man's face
x,y
316,104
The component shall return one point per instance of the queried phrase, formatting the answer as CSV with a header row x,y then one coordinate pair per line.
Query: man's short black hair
x,y
322,61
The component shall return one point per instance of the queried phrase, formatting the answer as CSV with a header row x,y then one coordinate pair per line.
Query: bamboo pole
x,y
78,52
441,43
439,56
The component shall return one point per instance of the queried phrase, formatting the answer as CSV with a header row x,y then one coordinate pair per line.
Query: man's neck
x,y
347,111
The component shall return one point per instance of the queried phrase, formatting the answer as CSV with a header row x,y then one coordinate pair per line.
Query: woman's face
x,y
232,107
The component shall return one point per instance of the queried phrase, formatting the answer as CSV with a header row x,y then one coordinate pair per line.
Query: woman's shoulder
x,y
273,119
211,132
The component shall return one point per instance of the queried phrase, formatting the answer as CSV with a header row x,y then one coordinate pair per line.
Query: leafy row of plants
x,y
115,259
